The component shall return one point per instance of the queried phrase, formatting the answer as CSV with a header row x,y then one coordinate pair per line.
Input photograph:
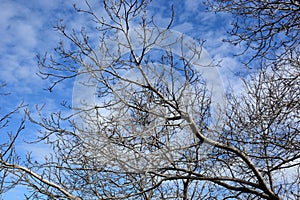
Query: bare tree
x,y
154,131
267,29
7,144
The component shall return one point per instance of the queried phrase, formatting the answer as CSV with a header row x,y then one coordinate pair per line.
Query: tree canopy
x,y
154,128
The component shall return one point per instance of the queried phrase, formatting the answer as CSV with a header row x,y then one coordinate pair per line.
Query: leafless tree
x,y
154,130
267,29
7,144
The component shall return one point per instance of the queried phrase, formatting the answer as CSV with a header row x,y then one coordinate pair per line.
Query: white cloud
x,y
186,26
192,5
26,29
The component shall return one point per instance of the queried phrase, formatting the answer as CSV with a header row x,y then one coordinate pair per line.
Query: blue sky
x,y
26,29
